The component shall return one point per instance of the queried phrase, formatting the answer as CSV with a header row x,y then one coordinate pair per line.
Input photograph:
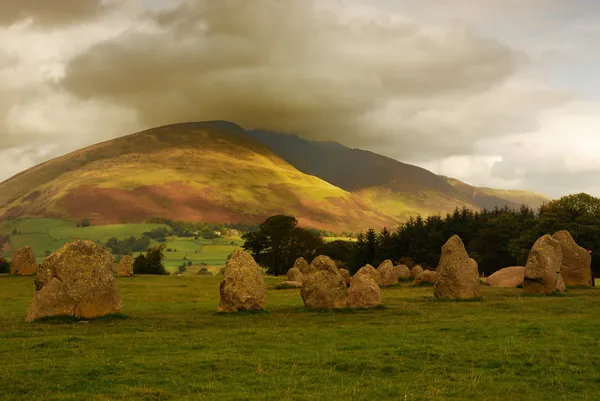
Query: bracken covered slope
x,y
209,171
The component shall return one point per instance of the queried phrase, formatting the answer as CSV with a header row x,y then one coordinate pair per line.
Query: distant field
x,y
171,344
47,235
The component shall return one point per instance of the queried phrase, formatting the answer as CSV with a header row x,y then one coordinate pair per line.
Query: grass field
x,y
170,344
47,235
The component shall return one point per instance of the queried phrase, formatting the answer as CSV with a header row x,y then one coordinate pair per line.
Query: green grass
x,y
170,343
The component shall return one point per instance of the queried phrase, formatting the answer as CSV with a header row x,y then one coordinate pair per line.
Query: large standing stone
x,y
125,267
324,286
77,280
403,273
346,274
23,262
294,274
389,275
576,268
427,277
243,287
508,277
415,271
458,276
364,292
542,270
371,271
302,265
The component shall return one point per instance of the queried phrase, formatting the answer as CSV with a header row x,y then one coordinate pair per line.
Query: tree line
x,y
495,238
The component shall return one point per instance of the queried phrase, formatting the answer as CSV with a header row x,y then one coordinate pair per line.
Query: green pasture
x,y
170,344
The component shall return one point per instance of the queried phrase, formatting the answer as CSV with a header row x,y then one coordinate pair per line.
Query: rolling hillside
x,y
210,171
399,189
490,198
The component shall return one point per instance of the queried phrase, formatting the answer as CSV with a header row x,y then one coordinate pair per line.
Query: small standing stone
x,y
243,287
125,267
389,275
458,275
23,262
324,286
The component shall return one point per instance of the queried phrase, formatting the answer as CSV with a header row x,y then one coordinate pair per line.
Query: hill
x,y
490,198
397,188
208,171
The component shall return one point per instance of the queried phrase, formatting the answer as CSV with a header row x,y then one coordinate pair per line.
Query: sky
x,y
497,93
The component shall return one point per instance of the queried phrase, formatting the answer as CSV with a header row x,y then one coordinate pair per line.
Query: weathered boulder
x,y
294,274
23,262
371,271
243,287
427,277
508,277
388,273
576,268
346,274
403,273
324,286
458,275
415,271
292,284
542,270
364,292
125,267
77,280
302,265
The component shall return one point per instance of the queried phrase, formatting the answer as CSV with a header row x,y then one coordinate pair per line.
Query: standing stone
x,y
302,265
427,277
508,277
403,273
23,262
458,276
364,292
576,268
243,287
125,267
389,275
294,274
346,274
324,286
415,271
291,284
371,271
542,270
77,280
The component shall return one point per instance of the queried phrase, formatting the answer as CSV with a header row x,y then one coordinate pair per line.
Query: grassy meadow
x,y
47,235
170,344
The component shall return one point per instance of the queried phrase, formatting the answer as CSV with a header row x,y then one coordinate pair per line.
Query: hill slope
x,y
399,189
209,171
490,198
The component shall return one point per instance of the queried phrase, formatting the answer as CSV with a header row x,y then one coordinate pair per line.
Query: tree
x,y
151,263
279,242
4,266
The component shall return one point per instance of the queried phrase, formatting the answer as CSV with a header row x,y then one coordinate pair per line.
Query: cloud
x,y
308,67
50,13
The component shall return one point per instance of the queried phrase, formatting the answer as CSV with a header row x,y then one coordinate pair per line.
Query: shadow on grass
x,y
554,294
341,310
243,313
476,299
65,319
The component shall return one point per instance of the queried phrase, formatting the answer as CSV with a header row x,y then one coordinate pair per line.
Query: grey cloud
x,y
48,13
288,66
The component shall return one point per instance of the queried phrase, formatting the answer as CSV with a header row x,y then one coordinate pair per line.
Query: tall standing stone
x,y
125,267
458,276
243,287
364,292
302,265
576,268
23,262
324,286
389,275
77,280
403,273
371,271
542,270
